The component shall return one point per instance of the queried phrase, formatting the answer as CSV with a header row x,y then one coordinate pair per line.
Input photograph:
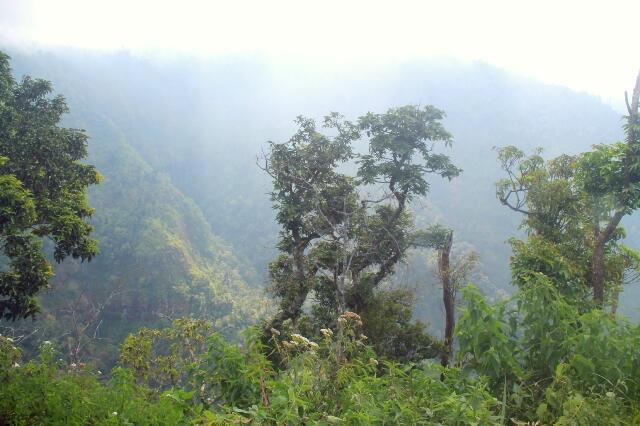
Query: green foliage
x,y
159,260
542,356
43,190
335,381
554,364
435,236
565,202
388,316
486,339
339,381
45,390
233,375
189,357
537,255
534,359
340,247
303,167
601,171
162,357
546,192
396,138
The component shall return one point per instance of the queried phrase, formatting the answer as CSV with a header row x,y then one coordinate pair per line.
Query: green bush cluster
x,y
532,359
551,363
47,391
337,380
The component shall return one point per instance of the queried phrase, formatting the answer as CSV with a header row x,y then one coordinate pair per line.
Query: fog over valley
x,y
374,217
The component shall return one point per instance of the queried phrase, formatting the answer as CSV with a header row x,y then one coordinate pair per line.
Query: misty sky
x,y
585,45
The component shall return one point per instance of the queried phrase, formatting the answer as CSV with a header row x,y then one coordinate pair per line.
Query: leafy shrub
x,y
550,362
47,391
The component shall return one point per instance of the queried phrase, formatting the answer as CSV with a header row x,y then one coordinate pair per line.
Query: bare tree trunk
x,y
597,273
341,282
340,290
597,258
444,269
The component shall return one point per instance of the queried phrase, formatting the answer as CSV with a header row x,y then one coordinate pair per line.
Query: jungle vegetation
x,y
169,322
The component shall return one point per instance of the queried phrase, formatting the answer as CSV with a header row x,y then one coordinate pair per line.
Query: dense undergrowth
x,y
343,347
533,359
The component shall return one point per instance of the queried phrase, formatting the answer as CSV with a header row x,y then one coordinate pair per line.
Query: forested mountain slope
x,y
186,228
177,142
159,259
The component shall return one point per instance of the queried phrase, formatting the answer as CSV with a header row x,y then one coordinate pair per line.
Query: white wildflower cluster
x,y
10,341
299,341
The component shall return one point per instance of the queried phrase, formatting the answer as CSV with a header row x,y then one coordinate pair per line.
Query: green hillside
x,y
202,123
159,259
260,269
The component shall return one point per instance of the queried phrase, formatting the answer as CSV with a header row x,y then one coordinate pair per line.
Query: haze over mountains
x,y
183,215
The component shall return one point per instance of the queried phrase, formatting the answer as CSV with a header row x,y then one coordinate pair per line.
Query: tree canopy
x,y
338,245
44,187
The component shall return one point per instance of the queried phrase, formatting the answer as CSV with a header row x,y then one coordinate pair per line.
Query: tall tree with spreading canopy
x,y
302,170
43,188
576,203
336,244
